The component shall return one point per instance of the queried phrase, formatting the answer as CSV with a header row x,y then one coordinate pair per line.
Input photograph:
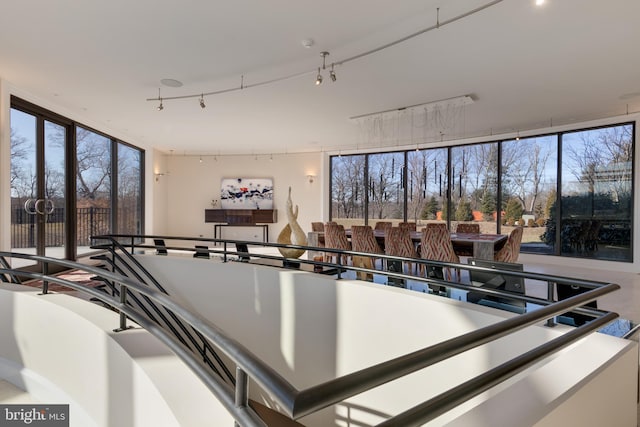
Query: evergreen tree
x,y
464,211
488,206
514,209
430,209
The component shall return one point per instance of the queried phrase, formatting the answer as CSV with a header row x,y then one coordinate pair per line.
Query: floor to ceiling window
x,y
348,190
596,202
130,207
529,181
572,192
69,182
93,186
474,185
385,182
427,183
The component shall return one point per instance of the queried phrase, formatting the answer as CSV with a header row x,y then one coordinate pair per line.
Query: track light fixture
x,y
160,107
438,24
318,78
332,74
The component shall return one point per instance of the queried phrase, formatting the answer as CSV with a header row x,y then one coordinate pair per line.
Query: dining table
x,y
481,245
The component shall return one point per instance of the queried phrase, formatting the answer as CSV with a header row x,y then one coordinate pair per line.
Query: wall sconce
x,y
310,178
159,174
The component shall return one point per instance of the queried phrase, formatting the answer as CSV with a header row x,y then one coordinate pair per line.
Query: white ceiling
x,y
526,66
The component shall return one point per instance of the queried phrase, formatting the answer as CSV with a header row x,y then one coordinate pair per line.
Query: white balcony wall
x,y
311,328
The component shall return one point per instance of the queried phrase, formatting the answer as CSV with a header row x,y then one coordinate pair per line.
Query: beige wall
x,y
191,185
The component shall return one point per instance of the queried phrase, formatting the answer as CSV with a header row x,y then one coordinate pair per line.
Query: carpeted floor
x,y
76,276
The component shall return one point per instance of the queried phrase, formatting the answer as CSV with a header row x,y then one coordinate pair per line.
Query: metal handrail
x,y
115,248
223,391
448,400
298,403
550,279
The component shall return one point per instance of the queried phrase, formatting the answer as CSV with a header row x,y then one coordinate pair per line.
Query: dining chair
x,y
436,246
442,225
511,249
317,228
397,242
383,225
202,252
591,243
363,240
335,238
411,226
465,227
161,248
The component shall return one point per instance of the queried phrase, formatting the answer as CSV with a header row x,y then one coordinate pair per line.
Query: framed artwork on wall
x,y
246,193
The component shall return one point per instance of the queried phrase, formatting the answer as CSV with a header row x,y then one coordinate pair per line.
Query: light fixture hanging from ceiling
x,y
160,107
433,118
332,75
324,55
202,104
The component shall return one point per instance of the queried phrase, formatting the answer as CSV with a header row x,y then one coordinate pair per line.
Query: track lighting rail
x,y
332,75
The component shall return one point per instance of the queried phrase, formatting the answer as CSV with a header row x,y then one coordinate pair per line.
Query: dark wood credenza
x,y
241,218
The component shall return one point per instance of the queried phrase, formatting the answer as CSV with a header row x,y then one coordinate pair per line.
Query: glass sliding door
x,y
24,224
38,185
54,205
68,183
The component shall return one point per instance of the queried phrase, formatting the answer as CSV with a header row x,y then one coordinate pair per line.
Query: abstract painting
x,y
246,193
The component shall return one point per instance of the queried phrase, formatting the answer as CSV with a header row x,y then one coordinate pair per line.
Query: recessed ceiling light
x,y
307,43
539,2
171,82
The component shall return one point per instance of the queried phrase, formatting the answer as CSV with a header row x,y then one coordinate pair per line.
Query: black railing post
x,y
123,316
32,226
551,322
91,222
45,283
